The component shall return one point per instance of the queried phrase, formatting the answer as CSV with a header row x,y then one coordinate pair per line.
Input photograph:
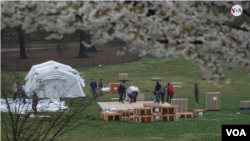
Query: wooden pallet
x,y
112,116
131,119
198,113
186,114
146,118
169,109
150,104
125,118
169,117
156,117
143,111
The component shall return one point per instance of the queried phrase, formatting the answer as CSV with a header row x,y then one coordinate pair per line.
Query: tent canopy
x,y
52,79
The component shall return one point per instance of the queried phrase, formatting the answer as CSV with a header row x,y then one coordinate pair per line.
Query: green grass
x,y
140,73
37,45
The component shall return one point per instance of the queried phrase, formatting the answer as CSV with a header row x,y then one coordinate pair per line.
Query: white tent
x,y
54,80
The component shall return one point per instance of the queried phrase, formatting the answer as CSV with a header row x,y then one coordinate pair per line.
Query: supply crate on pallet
x,y
143,111
156,117
168,117
146,118
150,104
125,113
186,114
157,109
213,101
136,119
131,118
198,112
130,112
125,118
112,116
169,109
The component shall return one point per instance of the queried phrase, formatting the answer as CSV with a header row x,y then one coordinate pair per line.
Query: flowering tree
x,y
163,29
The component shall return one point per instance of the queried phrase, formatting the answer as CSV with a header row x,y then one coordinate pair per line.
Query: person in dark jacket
x,y
34,102
23,95
157,86
100,87
131,96
121,91
93,86
196,93
135,93
163,94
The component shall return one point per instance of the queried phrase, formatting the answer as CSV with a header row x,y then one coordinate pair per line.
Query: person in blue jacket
x,y
93,86
121,91
135,93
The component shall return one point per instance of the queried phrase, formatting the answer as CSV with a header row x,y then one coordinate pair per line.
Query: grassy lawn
x,y
140,73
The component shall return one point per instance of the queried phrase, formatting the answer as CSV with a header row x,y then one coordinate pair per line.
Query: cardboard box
x,y
182,104
205,75
213,101
123,76
198,112
244,104
114,87
176,84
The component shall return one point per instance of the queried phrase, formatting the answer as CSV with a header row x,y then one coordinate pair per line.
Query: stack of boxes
x,y
169,113
244,104
111,116
123,76
182,104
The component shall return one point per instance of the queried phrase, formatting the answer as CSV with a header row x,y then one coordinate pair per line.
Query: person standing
x,y
121,91
23,96
93,86
35,102
157,86
125,90
196,93
135,93
100,87
168,91
15,90
163,94
171,93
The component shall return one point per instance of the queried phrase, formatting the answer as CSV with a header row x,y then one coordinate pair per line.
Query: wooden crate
x,y
185,114
130,112
157,109
198,112
136,119
176,84
156,78
131,118
114,87
146,118
112,116
125,118
168,117
125,113
150,104
123,76
244,104
143,111
156,117
168,109
213,101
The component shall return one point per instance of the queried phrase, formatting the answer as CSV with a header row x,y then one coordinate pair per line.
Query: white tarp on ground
x,y
54,80
19,107
133,88
105,89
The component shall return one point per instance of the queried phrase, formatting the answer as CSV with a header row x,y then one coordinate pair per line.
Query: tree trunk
x,y
82,50
91,49
1,33
21,35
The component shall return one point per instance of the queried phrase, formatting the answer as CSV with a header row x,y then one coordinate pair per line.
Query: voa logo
x,y
236,132
236,10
